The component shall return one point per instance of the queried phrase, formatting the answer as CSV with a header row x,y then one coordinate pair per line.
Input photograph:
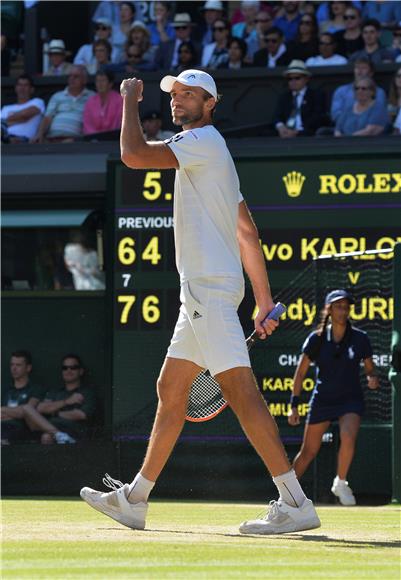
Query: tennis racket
x,y
205,398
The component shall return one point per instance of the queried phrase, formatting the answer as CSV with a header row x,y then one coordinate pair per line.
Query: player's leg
x,y
242,394
349,427
127,503
312,441
173,386
293,511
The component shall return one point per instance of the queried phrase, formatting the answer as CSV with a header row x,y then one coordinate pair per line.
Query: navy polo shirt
x,y
337,364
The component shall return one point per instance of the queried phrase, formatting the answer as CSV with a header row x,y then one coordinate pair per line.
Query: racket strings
x,y
205,397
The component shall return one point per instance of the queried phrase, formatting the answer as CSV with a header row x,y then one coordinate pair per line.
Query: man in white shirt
x,y
21,120
214,236
327,56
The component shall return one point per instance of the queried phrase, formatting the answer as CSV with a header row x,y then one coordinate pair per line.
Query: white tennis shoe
x,y
283,519
115,503
342,490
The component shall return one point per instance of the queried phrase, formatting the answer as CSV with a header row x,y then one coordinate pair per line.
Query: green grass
x,y
51,538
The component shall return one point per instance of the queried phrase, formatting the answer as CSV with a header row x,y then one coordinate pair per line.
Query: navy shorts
x,y
321,412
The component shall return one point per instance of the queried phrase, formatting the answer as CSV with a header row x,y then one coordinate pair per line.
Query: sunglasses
x,y
350,17
181,27
101,27
295,78
70,367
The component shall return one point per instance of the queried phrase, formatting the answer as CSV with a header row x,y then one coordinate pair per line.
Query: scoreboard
x,y
303,207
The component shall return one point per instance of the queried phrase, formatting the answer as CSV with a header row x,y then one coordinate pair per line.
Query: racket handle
x,y
275,314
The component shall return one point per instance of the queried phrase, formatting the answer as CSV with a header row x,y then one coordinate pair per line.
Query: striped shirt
x,y
67,113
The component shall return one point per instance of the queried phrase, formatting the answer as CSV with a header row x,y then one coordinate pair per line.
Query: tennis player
x,y
214,233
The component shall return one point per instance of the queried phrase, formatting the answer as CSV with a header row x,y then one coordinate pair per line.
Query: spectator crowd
x,y
30,412
298,36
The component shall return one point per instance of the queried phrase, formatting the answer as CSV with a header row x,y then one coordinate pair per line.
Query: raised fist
x,y
132,87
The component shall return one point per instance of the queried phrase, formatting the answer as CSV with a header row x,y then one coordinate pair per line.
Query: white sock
x,y
289,489
139,489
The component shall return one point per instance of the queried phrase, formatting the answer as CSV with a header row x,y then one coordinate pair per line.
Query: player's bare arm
x,y
254,265
135,151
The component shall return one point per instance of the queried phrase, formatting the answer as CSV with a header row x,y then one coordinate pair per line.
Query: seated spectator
x,y
372,49
63,117
102,56
15,395
301,110
306,43
336,21
139,35
85,54
152,127
274,52
388,13
20,121
82,261
187,57
350,39
211,11
216,52
322,9
343,97
161,29
5,57
167,53
62,416
237,49
58,65
120,32
254,41
365,117
108,9
394,95
288,23
247,28
327,50
103,111
133,63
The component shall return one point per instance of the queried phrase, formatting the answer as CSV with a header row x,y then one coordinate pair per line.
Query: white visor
x,y
191,78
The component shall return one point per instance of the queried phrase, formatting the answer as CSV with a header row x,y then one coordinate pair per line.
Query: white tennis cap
x,y
191,78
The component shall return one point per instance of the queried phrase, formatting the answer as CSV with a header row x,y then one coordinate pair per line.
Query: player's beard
x,y
187,118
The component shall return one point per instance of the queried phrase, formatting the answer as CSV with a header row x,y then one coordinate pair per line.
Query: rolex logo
x,y
294,181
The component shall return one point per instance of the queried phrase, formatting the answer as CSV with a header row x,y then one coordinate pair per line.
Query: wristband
x,y
294,401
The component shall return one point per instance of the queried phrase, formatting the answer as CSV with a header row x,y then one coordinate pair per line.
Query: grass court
x,y
64,538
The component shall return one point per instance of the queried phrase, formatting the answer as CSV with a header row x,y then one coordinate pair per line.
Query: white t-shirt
x,y
206,198
335,60
30,127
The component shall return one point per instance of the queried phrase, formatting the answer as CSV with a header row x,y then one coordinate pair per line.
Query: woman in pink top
x,y
103,111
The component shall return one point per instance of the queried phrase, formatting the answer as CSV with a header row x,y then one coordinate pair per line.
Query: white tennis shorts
x,y
208,331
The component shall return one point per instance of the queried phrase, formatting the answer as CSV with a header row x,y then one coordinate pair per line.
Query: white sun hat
x,y
191,78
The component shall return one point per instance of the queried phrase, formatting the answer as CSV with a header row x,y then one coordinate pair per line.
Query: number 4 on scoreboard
x,y
151,252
